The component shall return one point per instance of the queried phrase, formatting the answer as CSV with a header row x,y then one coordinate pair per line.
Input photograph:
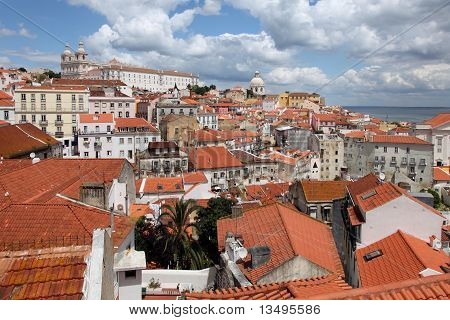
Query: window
x,y
73,98
86,154
108,139
138,140
6,115
74,107
44,129
385,149
130,154
109,153
439,141
120,114
130,140
33,97
145,140
127,114
108,128
33,118
122,153
58,117
58,97
396,149
121,141
407,150
74,118
42,97
43,117
23,118
97,129
23,97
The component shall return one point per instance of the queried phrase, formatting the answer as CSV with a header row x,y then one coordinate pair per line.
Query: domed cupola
x,y
257,84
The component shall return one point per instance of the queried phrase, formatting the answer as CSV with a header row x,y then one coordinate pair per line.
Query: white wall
x,y
198,280
404,214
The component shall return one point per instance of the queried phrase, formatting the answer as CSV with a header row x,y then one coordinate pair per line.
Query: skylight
x,y
373,254
368,194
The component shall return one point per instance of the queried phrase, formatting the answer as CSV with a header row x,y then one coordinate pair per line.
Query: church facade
x,y
257,85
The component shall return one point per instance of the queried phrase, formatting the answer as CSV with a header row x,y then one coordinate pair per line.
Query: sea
x,y
397,114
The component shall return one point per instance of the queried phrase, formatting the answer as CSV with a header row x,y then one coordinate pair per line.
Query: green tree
x,y
22,69
186,253
207,224
437,198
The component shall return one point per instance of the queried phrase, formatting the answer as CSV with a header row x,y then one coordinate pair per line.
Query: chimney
x,y
435,243
260,256
236,211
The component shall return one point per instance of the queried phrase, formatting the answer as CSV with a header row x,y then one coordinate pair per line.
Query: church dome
x,y
257,81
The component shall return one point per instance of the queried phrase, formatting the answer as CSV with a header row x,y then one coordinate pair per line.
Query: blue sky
x,y
297,45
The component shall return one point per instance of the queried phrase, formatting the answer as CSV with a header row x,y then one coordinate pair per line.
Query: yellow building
x,y
53,109
283,99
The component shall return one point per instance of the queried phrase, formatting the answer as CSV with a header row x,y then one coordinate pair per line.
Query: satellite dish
x,y
242,253
382,176
32,155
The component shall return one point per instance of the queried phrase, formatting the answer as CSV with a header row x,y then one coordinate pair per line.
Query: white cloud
x,y
4,61
5,32
22,31
300,77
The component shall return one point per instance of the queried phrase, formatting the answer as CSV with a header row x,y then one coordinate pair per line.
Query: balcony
x,y
59,122
86,142
422,163
393,162
23,121
404,162
43,123
97,144
412,161
382,160
59,134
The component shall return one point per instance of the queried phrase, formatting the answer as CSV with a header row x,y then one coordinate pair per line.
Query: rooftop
x,y
52,273
439,120
398,139
291,234
296,289
323,191
23,139
403,257
213,158
97,118
156,185
194,177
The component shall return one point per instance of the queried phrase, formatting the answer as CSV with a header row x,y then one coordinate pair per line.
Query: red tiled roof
x,y
428,288
88,82
403,257
323,191
213,158
354,217
22,139
160,185
97,118
363,184
26,226
287,232
269,190
383,193
41,182
6,100
138,210
356,134
398,139
133,123
56,274
325,117
439,120
289,290
439,174
207,136
194,177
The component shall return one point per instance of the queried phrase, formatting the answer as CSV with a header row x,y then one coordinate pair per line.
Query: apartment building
x,y
208,120
7,108
105,136
404,160
111,100
174,106
436,131
53,109
331,152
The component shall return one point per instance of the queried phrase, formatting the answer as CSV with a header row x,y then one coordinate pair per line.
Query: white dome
x,y
257,81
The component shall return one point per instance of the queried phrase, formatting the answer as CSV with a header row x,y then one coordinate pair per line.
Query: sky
x,y
300,45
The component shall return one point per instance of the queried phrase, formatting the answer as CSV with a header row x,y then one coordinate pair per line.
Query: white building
x,y
331,153
76,65
104,136
208,120
7,108
110,100
437,131
53,109
257,85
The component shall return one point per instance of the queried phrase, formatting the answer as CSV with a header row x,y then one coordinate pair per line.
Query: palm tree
x,y
186,251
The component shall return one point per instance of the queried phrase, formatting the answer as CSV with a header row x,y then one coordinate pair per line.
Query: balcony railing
x,y
59,134
404,162
97,144
382,160
43,122
59,122
412,161
422,163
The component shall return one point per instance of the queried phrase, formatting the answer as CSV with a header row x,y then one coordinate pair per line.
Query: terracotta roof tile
x,y
213,158
323,191
194,177
133,123
441,173
377,196
289,290
398,139
22,139
439,120
266,191
428,288
48,225
97,118
403,257
354,217
363,184
160,185
42,181
56,273
287,232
